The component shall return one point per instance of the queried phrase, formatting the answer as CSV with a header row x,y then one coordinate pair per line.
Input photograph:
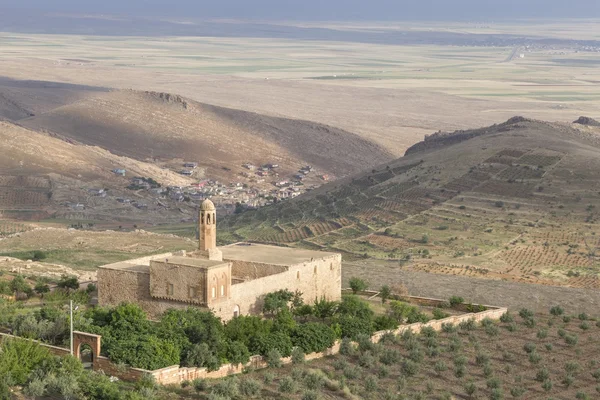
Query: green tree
x,y
200,355
19,286
313,337
276,301
385,293
19,357
41,288
358,285
324,309
68,282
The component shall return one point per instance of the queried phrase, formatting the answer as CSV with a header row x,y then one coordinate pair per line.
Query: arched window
x,y
222,290
214,292
207,219
298,275
214,219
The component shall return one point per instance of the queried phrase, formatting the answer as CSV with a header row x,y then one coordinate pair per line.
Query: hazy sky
x,y
325,9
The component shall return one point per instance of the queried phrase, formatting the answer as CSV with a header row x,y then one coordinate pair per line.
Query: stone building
x,y
230,281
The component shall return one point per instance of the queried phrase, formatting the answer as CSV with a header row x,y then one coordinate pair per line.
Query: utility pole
x,y
71,313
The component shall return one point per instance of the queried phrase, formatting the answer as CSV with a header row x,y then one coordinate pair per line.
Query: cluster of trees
x,y
21,288
25,363
193,337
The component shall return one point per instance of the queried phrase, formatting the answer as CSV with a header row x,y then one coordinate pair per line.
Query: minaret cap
x,y
207,205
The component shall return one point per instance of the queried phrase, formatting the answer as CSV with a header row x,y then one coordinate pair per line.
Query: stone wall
x,y
315,279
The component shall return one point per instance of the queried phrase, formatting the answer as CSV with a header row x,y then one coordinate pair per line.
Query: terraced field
x,y
514,201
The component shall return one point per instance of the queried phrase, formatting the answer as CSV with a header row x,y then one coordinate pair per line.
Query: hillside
x,y
517,201
39,172
21,99
165,127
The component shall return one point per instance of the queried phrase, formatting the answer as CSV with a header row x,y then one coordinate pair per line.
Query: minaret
x,y
207,227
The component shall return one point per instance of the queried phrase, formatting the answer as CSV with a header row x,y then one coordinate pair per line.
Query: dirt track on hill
x,y
484,291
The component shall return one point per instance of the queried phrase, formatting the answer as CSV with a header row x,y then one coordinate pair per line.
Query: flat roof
x,y
262,253
190,261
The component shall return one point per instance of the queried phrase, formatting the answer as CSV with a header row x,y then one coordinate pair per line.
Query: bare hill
x,y
24,99
517,200
161,126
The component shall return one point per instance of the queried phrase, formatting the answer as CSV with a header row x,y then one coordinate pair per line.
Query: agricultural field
x,y
525,355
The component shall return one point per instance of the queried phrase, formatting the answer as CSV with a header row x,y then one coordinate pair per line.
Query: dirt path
x,y
502,293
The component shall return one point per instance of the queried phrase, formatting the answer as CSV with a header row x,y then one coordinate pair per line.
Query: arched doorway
x,y
236,311
86,355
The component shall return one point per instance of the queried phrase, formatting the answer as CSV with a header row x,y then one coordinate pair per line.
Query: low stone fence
x,y
176,374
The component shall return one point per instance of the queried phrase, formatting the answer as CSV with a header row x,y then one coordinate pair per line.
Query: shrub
x,y
525,313
542,333
313,381
409,367
470,389
571,340
492,330
226,388
506,317
460,371
493,383
583,317
557,311
366,360
596,375
547,385
582,396
512,327
534,358
401,383
542,374
584,325
460,361
390,357
310,395
468,325
298,356
568,381
440,367
347,347
448,327
383,372
482,359
572,367
268,377
371,384
488,370
358,285
274,358
549,346
287,385
250,388
566,319
517,391
456,301
529,347
352,372
199,385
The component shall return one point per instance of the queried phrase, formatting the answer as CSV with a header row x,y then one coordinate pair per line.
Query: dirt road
x,y
483,291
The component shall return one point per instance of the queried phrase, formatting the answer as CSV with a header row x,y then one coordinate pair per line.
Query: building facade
x,y
230,281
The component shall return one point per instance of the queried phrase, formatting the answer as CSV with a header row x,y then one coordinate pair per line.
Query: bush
x,y
314,381
347,347
460,371
358,285
250,388
506,318
390,357
371,384
542,334
366,360
410,367
534,358
529,347
557,311
18,358
571,340
517,391
525,313
200,385
287,385
298,356
440,367
310,395
456,301
274,358
547,385
470,389
542,375
227,388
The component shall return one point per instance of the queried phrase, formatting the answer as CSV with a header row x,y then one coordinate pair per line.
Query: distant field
x,y
391,94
